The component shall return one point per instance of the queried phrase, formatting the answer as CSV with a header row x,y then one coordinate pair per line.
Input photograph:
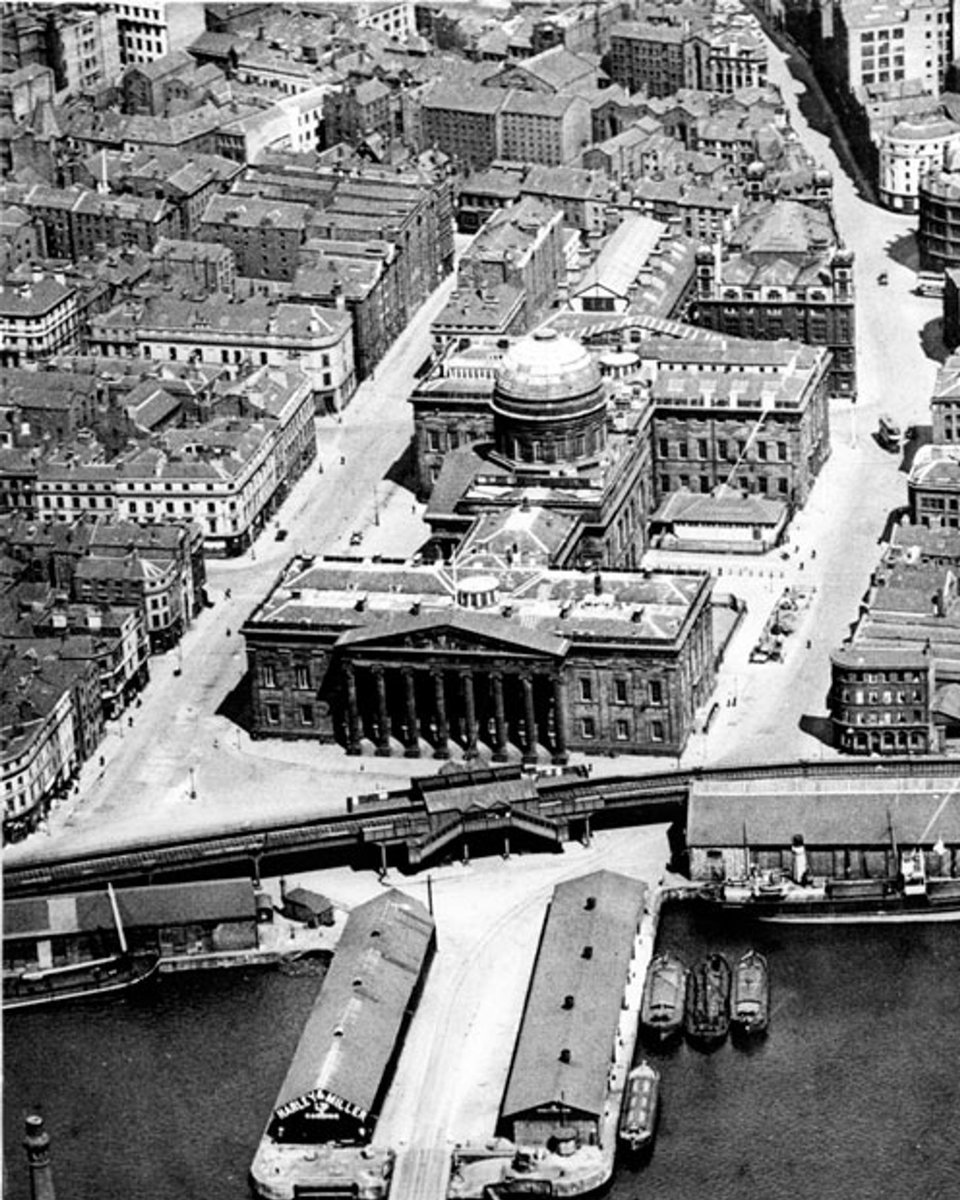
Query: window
x,y
664,448
620,691
586,688
273,714
622,730
302,675
588,729
268,674
702,448
656,731
656,691
306,714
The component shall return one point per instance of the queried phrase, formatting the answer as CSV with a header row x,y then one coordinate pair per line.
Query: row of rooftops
x,y
256,317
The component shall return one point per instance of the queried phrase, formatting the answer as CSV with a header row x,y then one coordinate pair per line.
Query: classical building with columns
x,y
506,661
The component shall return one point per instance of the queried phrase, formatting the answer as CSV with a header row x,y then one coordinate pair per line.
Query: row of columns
x,y
467,682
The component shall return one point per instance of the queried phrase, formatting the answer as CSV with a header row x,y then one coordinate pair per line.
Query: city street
x,y
835,540
176,764
183,765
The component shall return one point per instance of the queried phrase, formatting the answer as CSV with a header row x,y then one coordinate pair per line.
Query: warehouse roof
x,y
352,1031
825,811
563,1050
166,904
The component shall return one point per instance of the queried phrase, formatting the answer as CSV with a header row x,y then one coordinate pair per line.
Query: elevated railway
x,y
472,812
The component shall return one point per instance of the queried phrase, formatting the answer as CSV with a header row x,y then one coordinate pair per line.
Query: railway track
x,y
400,818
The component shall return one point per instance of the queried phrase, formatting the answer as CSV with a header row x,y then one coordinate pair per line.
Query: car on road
x,y
281,535
883,279
356,538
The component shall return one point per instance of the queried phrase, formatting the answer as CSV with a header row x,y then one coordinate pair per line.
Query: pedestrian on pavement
x,y
228,631
343,460
228,593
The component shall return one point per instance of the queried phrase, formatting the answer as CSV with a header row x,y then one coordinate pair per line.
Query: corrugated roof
x,y
828,812
142,907
596,984
352,1030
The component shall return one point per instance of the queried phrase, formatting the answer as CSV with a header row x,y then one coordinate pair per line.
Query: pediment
x,y
465,632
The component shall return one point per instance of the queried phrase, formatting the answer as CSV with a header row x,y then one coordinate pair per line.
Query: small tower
x,y
36,1142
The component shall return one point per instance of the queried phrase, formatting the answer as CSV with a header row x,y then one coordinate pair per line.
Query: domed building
x,y
537,426
548,402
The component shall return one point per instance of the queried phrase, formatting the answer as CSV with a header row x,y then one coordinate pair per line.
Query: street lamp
x,y
376,507
193,785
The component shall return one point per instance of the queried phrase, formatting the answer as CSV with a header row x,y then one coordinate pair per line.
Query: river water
x,y
855,1093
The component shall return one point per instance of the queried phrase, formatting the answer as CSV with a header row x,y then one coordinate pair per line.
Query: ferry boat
x,y
111,973
662,1003
641,1103
797,897
707,1012
750,994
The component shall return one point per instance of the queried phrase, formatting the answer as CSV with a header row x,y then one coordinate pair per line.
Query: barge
x,y
662,1004
750,994
641,1106
707,1014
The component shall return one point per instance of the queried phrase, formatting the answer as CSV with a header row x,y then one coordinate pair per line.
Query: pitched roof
x,y
352,1031
586,1027
825,811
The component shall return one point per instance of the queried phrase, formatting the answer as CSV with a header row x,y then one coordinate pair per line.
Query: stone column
x,y
413,725
559,721
354,728
529,720
500,722
442,749
470,714
383,714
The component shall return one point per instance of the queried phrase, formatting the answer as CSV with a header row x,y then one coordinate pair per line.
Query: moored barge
x,y
641,1105
662,1003
750,994
707,1009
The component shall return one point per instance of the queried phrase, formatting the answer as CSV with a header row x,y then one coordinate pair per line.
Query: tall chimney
x,y
36,1142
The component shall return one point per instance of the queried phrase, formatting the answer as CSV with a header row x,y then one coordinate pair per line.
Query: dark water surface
x,y
854,1094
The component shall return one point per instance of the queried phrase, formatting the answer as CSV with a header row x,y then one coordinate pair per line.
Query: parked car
x,y
883,279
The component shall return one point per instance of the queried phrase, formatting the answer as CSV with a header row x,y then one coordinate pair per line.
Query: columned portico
x,y
506,709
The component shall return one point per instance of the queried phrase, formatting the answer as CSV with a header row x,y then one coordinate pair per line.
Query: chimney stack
x,y
36,1142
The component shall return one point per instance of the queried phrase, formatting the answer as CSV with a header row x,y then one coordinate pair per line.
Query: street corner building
x,y
526,663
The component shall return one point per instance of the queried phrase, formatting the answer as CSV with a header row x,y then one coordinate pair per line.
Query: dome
x,y
548,401
546,368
